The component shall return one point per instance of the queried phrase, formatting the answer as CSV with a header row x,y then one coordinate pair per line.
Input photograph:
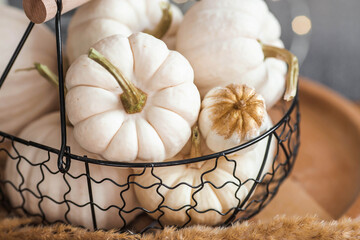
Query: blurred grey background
x,y
329,52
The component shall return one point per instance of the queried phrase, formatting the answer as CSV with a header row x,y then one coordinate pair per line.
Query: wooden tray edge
x,y
350,109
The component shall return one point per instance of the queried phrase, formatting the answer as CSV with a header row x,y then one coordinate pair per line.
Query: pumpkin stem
x,y
49,75
196,147
293,67
164,25
44,71
132,98
195,143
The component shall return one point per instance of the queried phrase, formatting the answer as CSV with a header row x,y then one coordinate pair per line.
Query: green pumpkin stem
x,y
132,98
46,73
49,75
164,25
293,67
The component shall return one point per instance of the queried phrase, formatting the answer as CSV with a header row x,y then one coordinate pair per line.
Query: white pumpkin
x,y
25,95
99,19
143,110
189,191
38,177
232,115
221,41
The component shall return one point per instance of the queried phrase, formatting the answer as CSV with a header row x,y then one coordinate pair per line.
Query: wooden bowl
x,y
326,177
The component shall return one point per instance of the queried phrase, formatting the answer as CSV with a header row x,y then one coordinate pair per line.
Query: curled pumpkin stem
x,y
132,98
164,25
293,67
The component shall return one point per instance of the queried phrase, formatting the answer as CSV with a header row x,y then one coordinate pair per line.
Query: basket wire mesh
x,y
78,174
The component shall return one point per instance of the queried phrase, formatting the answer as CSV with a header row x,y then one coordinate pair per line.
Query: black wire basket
x,y
89,193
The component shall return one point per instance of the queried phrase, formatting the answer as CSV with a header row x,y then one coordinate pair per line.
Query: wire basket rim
x,y
158,164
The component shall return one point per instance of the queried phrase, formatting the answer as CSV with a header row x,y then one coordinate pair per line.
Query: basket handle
x,y
39,11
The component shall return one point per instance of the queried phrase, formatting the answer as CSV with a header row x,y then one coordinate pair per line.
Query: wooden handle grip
x,y
39,11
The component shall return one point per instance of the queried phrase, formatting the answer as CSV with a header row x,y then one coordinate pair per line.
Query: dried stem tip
x,y
293,67
164,25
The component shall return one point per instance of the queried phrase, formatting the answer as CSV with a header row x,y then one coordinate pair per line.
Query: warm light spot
x,y
181,1
301,25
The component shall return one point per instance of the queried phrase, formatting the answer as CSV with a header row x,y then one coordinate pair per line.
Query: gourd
x,y
99,19
189,191
40,175
132,99
24,96
231,41
232,115
235,111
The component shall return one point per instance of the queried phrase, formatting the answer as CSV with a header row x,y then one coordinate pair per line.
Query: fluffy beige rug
x,y
280,228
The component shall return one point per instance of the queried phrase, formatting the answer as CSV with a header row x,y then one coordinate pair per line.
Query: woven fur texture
x,y
280,228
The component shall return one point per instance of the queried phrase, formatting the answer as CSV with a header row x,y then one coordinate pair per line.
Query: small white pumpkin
x,y
189,191
38,177
136,102
232,115
221,41
25,95
99,19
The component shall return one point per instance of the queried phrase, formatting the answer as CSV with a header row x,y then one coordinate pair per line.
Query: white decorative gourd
x,y
132,99
38,177
189,191
232,115
237,41
25,95
99,19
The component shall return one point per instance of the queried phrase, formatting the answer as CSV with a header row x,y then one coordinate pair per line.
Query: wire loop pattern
x,y
67,169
